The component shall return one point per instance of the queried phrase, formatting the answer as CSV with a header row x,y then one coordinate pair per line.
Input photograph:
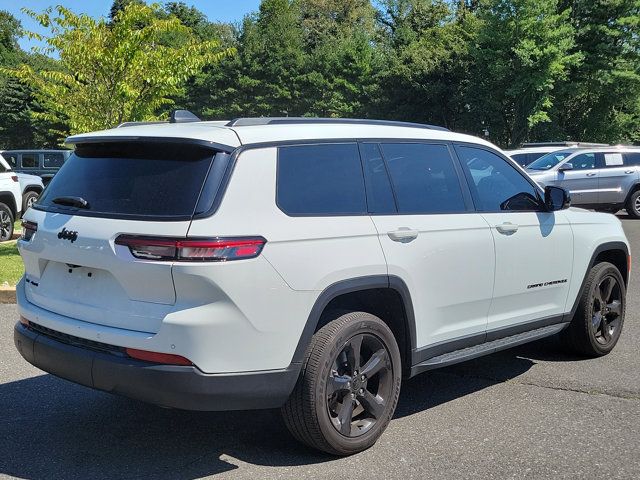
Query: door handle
x,y
507,228
591,174
403,235
628,171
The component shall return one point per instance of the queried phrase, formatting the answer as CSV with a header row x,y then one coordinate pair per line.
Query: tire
x,y
592,333
28,199
6,223
318,418
633,204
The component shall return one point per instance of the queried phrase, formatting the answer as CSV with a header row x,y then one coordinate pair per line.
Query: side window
x,y
379,194
323,179
424,178
632,158
53,160
585,161
613,160
11,158
495,184
29,160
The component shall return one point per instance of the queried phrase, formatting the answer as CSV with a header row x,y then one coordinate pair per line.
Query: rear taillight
x,y
14,178
28,229
155,357
192,250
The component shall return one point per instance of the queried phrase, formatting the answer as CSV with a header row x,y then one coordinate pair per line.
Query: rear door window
x,y
323,179
53,160
132,179
424,178
612,160
29,160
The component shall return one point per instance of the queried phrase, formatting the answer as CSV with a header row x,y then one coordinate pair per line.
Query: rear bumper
x,y
165,385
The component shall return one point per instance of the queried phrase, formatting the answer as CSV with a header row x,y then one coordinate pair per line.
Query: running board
x,y
487,348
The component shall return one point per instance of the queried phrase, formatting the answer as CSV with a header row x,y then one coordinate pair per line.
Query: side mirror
x,y
556,198
566,166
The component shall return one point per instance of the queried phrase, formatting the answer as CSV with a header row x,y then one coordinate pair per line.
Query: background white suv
x,y
10,200
307,264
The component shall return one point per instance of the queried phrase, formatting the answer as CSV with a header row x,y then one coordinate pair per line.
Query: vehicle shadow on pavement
x,y
55,429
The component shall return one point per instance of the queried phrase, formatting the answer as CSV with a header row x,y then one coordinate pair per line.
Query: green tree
x,y
428,57
342,57
118,5
523,50
265,76
18,129
601,102
112,73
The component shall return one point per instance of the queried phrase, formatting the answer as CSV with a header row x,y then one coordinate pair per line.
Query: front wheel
x,y
348,388
29,199
597,323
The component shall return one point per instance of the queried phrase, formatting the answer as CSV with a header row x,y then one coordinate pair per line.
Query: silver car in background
x,y
605,179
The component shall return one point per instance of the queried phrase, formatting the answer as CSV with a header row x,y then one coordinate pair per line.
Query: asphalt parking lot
x,y
532,412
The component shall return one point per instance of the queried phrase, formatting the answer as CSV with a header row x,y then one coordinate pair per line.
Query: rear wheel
x,y
597,324
633,204
6,223
348,388
28,199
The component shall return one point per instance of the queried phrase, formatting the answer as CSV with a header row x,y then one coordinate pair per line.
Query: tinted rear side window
x,y
632,158
424,178
379,194
132,179
53,160
29,160
321,179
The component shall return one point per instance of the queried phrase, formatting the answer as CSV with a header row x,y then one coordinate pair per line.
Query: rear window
x,y
131,179
321,180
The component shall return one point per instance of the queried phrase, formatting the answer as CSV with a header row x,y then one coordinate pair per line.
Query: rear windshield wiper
x,y
77,202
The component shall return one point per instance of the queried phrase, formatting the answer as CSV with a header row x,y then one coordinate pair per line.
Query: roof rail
x,y
564,144
253,121
135,124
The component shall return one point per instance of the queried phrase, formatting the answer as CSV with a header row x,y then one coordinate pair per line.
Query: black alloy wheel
x,y
597,324
606,313
348,386
359,385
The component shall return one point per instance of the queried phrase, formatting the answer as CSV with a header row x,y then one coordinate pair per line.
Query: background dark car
x,y
44,163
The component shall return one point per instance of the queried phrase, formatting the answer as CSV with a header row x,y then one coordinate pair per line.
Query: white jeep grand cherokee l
x,y
306,264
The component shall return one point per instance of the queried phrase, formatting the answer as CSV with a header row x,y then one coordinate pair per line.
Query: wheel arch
x,y
8,199
616,253
634,188
33,188
386,296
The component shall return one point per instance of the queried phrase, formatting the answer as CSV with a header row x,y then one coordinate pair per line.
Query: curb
x,y
7,295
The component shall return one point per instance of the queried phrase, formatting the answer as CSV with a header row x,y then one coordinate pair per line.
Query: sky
x,y
221,10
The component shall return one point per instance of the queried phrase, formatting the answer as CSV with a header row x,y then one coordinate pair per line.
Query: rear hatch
x,y
74,266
